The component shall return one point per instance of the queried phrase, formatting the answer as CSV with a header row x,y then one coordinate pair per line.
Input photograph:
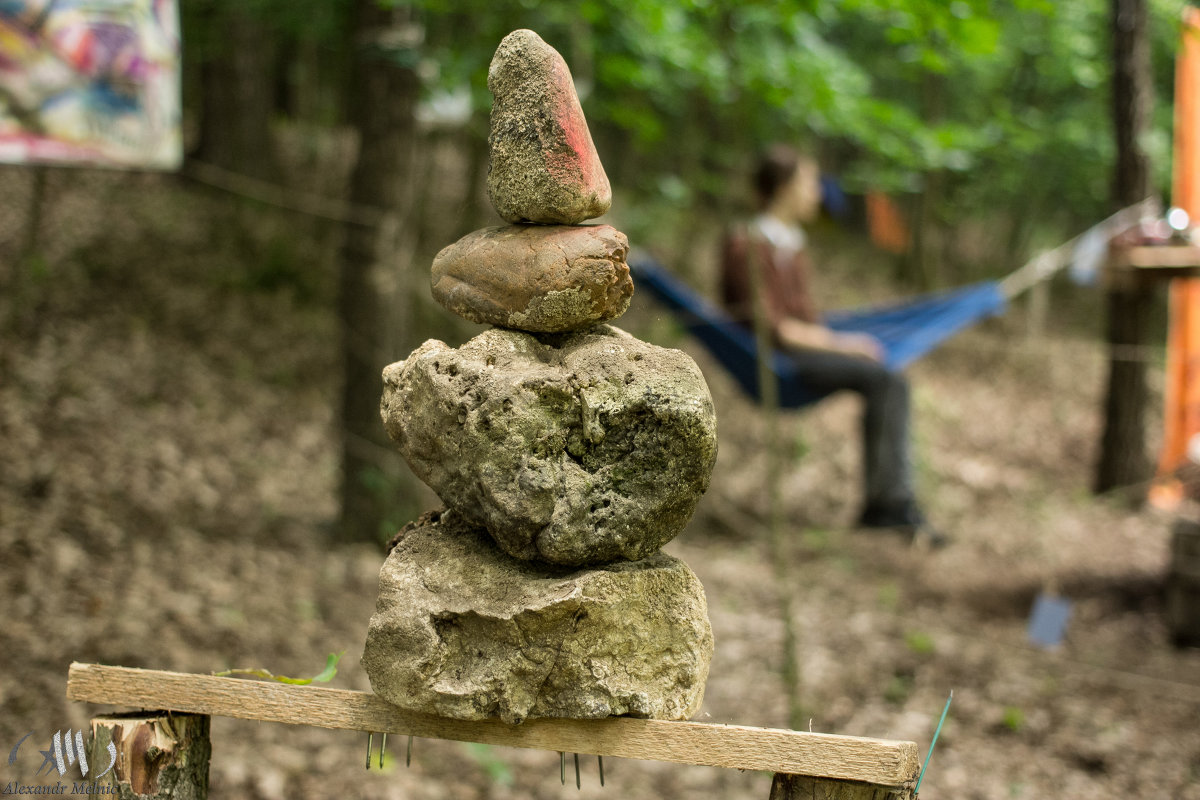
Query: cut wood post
x,y
157,754
1183,583
1123,462
804,787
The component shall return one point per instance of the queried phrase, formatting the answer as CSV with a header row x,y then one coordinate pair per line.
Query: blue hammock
x,y
907,330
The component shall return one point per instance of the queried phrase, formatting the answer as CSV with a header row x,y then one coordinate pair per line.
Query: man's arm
x,y
800,335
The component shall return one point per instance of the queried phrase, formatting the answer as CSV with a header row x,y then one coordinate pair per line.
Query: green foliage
x,y
1014,718
1003,102
800,446
817,539
889,596
497,769
1007,99
37,268
898,689
276,265
920,643
324,676
391,491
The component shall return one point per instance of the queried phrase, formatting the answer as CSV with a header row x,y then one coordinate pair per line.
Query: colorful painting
x,y
90,82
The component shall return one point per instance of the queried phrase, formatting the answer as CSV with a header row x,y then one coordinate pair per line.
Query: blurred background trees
x,y
988,106
989,121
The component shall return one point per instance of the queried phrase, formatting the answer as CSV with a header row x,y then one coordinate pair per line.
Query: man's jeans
x,y
887,468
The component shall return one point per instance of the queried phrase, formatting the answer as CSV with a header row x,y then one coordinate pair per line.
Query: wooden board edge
x,y
876,761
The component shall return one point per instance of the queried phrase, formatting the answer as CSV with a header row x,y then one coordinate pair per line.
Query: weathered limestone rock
x,y
578,448
463,630
544,166
535,277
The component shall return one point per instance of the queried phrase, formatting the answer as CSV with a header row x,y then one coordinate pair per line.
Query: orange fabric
x,y
1182,413
886,224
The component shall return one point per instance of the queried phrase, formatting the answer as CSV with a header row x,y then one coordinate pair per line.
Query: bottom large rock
x,y
463,630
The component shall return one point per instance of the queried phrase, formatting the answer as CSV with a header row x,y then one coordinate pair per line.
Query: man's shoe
x,y
906,520
906,515
929,537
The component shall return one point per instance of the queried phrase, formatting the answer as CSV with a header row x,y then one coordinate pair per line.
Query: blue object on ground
x,y
906,330
1048,622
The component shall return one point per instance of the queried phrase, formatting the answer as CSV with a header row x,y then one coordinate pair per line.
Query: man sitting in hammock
x,y
772,244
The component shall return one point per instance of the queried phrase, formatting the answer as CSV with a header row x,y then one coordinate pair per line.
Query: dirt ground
x,y
168,488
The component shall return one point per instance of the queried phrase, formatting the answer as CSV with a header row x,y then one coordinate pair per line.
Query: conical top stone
x,y
544,167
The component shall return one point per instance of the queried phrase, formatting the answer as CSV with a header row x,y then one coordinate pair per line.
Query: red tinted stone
x,y
544,167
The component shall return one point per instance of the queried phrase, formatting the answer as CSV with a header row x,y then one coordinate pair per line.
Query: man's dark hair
x,y
775,168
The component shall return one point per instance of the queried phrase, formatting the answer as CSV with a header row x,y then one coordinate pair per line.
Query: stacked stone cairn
x,y
566,451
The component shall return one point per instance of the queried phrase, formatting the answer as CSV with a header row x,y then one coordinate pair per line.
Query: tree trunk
x,y
922,266
237,88
1123,458
381,104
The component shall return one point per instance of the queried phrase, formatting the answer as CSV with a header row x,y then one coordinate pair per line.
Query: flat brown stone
x,y
544,167
543,279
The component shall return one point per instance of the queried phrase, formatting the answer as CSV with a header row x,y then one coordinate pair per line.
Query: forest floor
x,y
169,487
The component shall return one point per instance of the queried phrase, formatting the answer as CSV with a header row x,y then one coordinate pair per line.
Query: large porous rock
x,y
576,448
535,277
544,167
463,630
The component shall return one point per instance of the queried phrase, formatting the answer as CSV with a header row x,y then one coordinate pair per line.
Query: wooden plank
x,y
1130,267
1156,257
877,761
1127,266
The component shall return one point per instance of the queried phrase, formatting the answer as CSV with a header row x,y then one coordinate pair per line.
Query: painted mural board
x,y
91,82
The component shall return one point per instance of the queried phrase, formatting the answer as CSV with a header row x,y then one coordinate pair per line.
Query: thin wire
x,y
932,744
287,199
367,449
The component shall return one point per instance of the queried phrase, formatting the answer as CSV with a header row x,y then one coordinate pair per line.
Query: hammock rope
x,y
1047,264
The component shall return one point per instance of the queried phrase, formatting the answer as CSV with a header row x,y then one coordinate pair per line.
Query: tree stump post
x,y
1183,583
155,754
804,787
